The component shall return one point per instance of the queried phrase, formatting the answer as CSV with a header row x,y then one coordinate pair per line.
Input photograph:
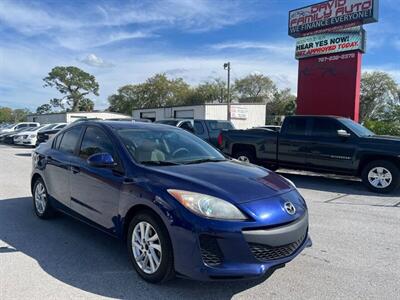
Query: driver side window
x,y
95,141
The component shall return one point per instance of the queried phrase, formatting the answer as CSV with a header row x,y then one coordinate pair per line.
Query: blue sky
x,y
123,42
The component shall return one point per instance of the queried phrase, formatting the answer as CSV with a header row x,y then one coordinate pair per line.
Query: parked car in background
x,y
208,130
43,136
324,144
128,119
18,126
8,137
29,137
179,204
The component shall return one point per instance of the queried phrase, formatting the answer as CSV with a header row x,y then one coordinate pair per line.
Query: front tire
x,y
381,176
149,248
41,204
245,156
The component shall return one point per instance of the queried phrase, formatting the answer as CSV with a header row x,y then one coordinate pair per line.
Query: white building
x,y
243,115
68,117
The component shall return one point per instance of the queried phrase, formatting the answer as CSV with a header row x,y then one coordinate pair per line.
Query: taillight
x,y
220,139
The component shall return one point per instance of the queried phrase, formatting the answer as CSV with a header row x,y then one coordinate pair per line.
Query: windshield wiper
x,y
203,160
159,163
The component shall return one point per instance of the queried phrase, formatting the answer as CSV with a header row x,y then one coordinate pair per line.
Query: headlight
x,y
207,206
32,136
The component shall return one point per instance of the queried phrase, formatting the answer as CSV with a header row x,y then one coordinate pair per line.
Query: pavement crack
x,y
335,198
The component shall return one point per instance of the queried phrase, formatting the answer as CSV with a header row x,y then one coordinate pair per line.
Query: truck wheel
x,y
381,176
245,156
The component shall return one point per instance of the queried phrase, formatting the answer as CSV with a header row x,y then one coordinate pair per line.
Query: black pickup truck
x,y
320,143
208,130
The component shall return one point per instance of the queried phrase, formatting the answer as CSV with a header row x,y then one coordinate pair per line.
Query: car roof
x,y
316,116
125,124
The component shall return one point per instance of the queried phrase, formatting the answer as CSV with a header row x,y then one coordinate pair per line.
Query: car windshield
x,y
166,146
168,122
357,128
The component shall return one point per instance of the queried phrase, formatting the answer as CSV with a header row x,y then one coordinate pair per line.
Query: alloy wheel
x,y
40,198
146,246
243,158
380,177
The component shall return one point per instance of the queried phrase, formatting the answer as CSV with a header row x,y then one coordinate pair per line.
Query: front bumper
x,y
239,253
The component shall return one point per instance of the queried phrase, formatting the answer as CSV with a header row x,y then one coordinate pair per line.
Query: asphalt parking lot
x,y
355,255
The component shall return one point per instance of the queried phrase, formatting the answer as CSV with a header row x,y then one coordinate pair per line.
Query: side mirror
x,y
343,133
101,160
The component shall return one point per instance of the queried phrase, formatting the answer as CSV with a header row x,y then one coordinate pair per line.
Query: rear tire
x,y
245,156
381,176
151,255
41,204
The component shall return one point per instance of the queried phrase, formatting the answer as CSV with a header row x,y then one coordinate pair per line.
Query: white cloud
x,y
97,26
282,48
95,61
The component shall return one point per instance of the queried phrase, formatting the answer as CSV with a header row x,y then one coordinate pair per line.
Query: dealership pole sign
x,y
329,43
333,14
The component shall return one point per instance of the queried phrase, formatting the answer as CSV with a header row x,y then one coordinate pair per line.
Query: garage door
x,y
184,114
151,115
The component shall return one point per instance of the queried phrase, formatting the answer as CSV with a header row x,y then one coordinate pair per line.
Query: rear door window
x,y
325,128
296,126
70,140
198,127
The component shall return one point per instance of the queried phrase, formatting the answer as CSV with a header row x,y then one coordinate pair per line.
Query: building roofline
x,y
205,104
80,112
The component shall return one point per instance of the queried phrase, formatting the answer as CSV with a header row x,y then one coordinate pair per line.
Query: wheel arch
x,y
366,159
243,147
134,210
34,178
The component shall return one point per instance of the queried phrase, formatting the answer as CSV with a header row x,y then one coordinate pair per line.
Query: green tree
x,y
255,88
86,105
74,84
379,95
6,115
127,98
208,92
157,91
44,109
20,114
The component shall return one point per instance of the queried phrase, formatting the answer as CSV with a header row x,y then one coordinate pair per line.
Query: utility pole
x,y
227,66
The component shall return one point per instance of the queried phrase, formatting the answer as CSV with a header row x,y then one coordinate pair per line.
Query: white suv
x,y
29,137
19,126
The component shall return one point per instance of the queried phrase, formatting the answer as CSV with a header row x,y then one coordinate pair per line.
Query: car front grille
x,y
266,253
210,251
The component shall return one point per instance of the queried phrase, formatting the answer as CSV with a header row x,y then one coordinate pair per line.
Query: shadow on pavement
x,y
90,260
334,184
23,154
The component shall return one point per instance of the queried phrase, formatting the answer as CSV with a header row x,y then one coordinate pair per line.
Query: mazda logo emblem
x,y
289,207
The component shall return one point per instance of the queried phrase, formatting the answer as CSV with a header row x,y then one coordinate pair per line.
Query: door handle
x,y
75,170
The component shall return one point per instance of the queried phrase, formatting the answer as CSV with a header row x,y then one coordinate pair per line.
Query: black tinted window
x,y
219,125
187,126
198,127
325,128
70,139
296,126
95,141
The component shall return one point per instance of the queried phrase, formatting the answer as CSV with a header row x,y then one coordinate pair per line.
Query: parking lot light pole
x,y
227,66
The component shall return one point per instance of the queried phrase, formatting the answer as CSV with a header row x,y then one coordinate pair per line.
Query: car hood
x,y
382,138
231,180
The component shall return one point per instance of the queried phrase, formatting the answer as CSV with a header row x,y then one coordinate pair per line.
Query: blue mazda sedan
x,y
181,206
